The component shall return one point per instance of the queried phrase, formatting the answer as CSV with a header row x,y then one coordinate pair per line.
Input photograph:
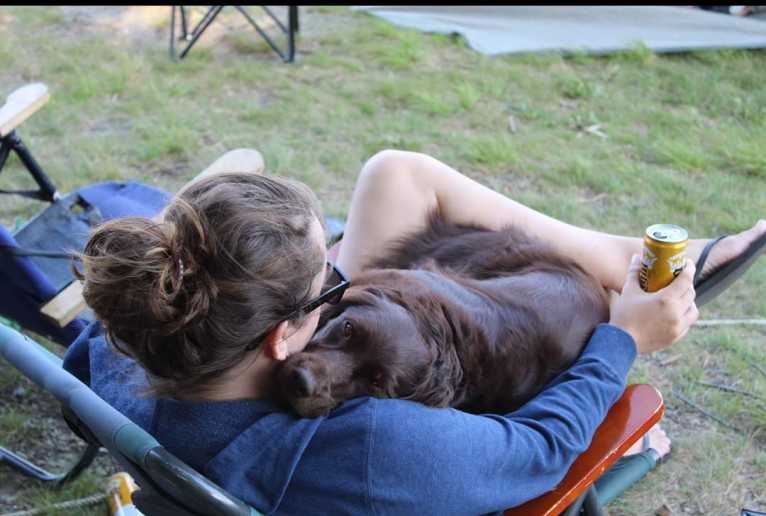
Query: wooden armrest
x,y
242,161
248,161
65,306
21,104
638,410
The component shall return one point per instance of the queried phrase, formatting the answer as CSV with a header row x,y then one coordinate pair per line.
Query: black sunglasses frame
x,y
332,296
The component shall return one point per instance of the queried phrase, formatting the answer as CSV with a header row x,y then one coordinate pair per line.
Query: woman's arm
x,y
465,464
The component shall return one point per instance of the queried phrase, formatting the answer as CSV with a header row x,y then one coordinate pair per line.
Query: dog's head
x,y
380,340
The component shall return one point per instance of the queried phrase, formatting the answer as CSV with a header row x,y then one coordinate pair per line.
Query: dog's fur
x,y
456,316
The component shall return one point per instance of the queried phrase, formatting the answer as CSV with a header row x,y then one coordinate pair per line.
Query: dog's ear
x,y
441,329
437,386
435,318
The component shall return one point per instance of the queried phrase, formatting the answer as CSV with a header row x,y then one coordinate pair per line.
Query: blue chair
x,y
34,260
36,280
34,264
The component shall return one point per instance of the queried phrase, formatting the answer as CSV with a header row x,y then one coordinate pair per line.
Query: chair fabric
x,y
28,282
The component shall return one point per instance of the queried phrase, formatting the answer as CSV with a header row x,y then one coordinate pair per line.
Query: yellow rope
x,y
71,504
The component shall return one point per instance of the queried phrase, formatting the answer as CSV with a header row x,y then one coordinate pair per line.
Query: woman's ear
x,y
275,343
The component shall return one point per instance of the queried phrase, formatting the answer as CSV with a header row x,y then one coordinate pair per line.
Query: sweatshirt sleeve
x,y
469,464
77,357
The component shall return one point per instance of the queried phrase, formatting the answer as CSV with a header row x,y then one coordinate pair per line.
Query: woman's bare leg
x,y
397,190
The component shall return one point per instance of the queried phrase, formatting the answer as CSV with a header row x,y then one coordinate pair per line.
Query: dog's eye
x,y
348,329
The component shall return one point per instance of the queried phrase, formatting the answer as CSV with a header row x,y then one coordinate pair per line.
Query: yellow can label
x,y
663,257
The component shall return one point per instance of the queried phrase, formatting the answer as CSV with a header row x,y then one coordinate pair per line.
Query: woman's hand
x,y
658,319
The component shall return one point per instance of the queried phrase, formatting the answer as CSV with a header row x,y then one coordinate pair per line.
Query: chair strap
x,y
20,251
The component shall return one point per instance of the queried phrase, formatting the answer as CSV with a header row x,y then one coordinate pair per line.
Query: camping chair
x,y
36,279
169,487
287,54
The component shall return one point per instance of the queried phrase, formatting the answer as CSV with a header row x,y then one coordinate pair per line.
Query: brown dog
x,y
457,316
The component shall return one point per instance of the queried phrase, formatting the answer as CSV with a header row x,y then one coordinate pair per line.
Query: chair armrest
x,y
21,104
640,407
65,306
10,337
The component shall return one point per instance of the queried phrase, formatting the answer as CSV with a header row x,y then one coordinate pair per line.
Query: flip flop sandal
x,y
709,288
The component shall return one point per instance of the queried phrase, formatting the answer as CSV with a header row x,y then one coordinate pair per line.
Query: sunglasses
x,y
334,286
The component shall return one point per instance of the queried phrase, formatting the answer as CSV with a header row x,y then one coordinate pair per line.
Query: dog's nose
x,y
302,382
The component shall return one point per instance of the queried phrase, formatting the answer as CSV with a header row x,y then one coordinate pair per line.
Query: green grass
x,y
12,423
87,485
687,140
37,17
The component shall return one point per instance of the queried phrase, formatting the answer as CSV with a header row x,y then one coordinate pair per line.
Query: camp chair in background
x,y
287,54
169,487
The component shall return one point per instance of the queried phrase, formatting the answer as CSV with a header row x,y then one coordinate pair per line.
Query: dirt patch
x,y
145,27
42,438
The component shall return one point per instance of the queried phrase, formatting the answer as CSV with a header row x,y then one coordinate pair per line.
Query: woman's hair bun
x,y
187,294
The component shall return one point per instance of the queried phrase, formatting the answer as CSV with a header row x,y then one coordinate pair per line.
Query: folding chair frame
x,y
30,470
12,143
287,55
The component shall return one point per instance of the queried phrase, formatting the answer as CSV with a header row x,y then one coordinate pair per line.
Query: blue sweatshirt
x,y
371,456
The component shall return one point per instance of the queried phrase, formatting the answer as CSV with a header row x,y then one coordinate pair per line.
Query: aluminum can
x,y
119,488
664,256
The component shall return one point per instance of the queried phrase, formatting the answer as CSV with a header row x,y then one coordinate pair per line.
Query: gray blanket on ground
x,y
494,30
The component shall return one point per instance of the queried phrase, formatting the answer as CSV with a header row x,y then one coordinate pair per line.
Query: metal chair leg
x,y
12,142
184,26
30,470
574,509
203,24
287,54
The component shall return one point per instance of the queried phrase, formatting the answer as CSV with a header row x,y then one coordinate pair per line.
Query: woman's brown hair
x,y
184,296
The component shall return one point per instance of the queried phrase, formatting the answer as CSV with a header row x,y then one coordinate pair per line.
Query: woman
x,y
227,283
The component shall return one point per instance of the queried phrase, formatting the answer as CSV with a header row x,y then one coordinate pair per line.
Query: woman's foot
x,y
725,251
658,440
